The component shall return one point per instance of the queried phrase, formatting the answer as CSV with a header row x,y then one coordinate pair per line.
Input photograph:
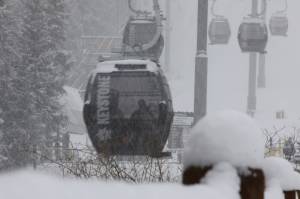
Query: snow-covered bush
x,y
86,164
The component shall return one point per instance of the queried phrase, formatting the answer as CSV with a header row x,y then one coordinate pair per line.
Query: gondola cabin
x,y
279,25
253,35
142,37
139,31
219,31
128,108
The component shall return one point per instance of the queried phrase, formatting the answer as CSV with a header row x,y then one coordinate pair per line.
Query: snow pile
x,y
278,169
73,106
224,177
273,190
227,136
30,185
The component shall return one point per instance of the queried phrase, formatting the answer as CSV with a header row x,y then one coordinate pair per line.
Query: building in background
x,y
180,131
96,36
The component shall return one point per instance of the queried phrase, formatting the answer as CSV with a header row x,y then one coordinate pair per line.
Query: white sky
x,y
228,67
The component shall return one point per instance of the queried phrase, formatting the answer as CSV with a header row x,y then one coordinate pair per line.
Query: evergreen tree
x,y
31,106
45,66
9,57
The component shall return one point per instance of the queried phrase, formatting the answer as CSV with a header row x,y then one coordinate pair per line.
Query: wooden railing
x,y
252,185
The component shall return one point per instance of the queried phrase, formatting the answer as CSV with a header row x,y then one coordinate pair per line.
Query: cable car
x,y
279,24
219,30
128,108
253,35
143,37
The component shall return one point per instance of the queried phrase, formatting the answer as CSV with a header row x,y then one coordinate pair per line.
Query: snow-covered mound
x,y
224,177
278,169
273,190
29,185
227,136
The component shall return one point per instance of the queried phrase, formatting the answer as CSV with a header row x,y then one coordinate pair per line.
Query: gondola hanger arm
x,y
136,11
283,11
213,9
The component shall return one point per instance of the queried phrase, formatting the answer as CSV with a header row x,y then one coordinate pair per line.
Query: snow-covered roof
x,y
182,119
227,136
109,66
281,170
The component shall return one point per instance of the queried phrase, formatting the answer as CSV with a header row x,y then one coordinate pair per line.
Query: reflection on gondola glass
x,y
252,31
132,87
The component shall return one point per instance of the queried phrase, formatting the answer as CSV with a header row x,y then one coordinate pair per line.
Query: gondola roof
x,y
253,20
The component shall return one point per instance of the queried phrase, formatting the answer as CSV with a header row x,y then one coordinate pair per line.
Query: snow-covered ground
x,y
222,181
217,134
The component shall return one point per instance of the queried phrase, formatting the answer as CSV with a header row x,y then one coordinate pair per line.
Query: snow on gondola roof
x,y
253,20
140,21
110,66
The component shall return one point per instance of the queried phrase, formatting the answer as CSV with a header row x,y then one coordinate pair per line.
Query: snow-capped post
x,y
290,194
227,137
281,178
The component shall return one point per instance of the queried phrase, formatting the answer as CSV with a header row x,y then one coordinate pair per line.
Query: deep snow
x,y
30,185
227,136
282,171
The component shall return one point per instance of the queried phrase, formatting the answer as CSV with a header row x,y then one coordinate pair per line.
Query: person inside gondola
x,y
118,126
142,124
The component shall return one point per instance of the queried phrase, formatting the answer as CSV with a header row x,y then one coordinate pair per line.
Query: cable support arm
x,y
213,9
284,10
137,12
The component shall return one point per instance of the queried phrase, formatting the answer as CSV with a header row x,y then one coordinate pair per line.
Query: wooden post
x,y
193,175
290,194
252,183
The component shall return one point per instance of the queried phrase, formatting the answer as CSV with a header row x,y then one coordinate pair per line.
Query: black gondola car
x,y
128,108
253,35
279,25
219,30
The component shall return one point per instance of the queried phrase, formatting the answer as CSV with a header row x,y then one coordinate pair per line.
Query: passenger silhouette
x,y
142,124
118,126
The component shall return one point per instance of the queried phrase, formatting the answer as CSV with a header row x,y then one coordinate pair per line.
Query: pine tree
x,y
9,57
45,65
32,79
